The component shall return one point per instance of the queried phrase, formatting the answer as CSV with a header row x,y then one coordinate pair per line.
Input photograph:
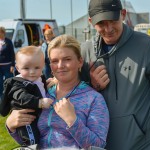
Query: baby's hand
x,y
45,102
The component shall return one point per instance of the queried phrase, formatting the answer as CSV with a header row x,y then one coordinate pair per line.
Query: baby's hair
x,y
30,50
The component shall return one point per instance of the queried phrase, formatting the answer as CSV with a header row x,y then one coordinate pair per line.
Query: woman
x,y
49,35
7,58
79,116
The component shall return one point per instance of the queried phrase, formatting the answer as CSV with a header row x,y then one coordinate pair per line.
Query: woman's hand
x,y
65,109
51,81
12,69
19,118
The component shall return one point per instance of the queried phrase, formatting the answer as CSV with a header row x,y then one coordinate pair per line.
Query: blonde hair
x,y
65,41
30,50
2,30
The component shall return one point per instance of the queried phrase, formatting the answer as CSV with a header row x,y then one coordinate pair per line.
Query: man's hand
x,y
99,77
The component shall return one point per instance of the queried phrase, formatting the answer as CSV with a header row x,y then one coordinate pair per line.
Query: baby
x,y
27,90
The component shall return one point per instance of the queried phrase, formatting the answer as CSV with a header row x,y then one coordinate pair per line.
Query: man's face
x,y
111,30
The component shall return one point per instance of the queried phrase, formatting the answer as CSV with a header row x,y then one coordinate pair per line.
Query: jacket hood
x,y
126,34
78,89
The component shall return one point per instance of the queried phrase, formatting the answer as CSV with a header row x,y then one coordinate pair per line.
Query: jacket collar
x,y
126,34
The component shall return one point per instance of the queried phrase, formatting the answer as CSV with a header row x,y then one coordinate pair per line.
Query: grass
x,y
6,141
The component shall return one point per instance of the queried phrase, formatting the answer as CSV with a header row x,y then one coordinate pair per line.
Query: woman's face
x,y
48,36
65,64
2,35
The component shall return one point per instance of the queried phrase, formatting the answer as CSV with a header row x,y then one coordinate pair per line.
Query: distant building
x,y
143,17
132,17
81,28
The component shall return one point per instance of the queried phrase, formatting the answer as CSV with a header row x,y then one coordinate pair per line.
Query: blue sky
x,y
141,5
61,9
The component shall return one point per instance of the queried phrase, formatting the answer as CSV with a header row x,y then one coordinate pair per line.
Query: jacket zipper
x,y
49,123
116,84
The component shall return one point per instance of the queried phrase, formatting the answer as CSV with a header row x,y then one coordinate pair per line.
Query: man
x,y
49,35
121,72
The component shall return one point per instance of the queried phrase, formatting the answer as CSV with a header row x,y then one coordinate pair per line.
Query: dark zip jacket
x,y
128,93
19,93
7,54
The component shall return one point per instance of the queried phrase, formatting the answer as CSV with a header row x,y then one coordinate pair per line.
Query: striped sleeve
x,y
95,132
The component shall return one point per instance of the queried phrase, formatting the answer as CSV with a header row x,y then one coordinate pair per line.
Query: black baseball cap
x,y
100,10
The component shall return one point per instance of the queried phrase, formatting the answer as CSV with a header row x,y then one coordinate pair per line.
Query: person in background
x,y
7,58
41,42
26,90
120,70
49,35
79,116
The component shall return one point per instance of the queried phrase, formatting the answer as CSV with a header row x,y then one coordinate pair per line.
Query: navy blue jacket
x,y
7,53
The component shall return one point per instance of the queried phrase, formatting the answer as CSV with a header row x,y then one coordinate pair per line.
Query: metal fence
x,y
81,34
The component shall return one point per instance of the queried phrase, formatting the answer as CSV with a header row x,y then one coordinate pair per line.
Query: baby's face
x,y
30,67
